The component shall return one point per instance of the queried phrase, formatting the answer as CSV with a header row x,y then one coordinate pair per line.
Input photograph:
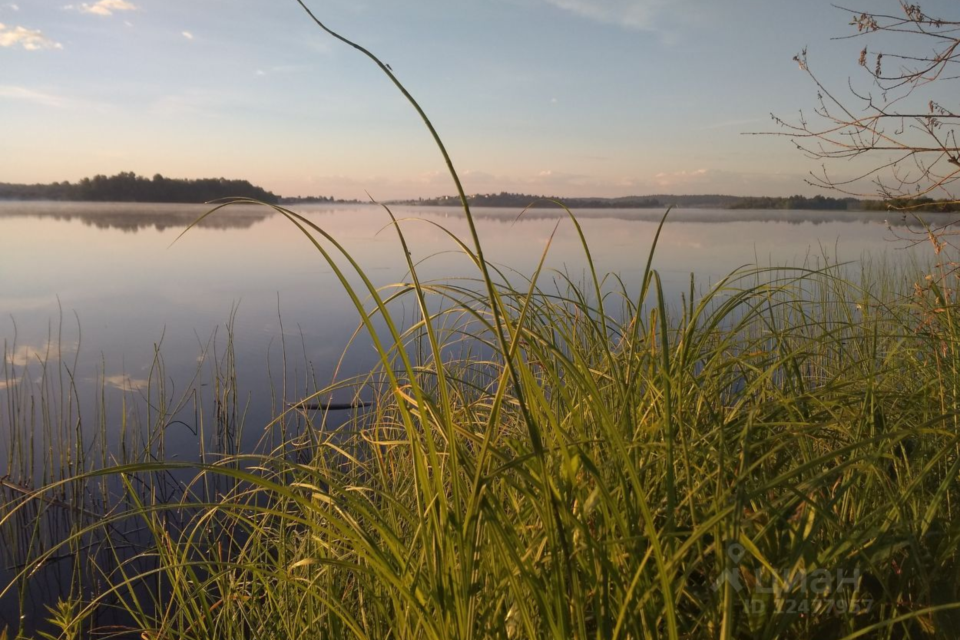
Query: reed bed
x,y
773,456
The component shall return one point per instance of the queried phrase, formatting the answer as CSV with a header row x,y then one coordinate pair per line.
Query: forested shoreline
x,y
129,187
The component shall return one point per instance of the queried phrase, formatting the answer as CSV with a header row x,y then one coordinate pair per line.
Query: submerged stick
x,y
332,406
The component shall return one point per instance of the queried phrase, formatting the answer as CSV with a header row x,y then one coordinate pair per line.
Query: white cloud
x,y
105,7
29,39
187,35
12,6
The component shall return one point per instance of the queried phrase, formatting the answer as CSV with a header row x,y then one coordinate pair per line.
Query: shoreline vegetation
x,y
711,201
129,187
771,457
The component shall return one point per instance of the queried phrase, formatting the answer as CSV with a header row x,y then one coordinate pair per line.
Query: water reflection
x,y
134,217
705,216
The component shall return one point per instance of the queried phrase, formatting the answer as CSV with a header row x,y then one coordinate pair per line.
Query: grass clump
x,y
774,458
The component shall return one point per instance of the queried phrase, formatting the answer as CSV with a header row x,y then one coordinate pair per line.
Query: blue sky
x,y
565,97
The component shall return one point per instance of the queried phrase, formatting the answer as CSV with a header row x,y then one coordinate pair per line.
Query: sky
x,y
558,97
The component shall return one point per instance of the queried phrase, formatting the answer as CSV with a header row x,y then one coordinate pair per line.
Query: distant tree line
x,y
713,201
819,202
915,204
315,200
306,199
129,187
521,200
816,203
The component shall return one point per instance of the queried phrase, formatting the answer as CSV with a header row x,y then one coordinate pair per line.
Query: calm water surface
x,y
102,281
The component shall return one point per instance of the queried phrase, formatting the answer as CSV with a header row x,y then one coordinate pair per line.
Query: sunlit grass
x,y
775,456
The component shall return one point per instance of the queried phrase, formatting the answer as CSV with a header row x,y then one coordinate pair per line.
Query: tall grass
x,y
56,431
774,457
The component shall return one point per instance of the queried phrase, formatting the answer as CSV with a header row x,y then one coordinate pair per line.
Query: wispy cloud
x,y
29,95
679,178
55,100
723,181
548,181
281,69
104,7
187,35
29,39
660,15
12,6
636,14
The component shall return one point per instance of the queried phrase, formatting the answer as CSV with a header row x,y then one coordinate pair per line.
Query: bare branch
x,y
902,142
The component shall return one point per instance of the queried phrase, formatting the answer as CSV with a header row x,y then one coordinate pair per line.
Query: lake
x,y
106,285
